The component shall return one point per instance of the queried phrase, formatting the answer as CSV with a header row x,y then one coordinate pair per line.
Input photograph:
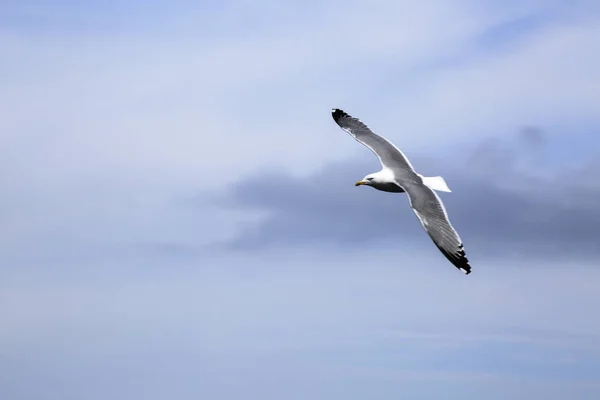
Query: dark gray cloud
x,y
498,208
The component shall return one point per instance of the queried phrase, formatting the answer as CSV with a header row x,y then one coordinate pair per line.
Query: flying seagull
x,y
397,175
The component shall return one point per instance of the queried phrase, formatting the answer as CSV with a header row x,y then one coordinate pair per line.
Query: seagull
x,y
397,175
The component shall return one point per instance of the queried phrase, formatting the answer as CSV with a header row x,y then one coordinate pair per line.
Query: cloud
x,y
104,130
500,209
110,126
168,102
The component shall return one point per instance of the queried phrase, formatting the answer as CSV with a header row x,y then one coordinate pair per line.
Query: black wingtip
x,y
462,265
463,261
458,259
337,114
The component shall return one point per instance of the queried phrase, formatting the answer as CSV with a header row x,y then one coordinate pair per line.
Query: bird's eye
x,y
369,179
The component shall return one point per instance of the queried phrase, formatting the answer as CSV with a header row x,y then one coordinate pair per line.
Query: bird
x,y
397,175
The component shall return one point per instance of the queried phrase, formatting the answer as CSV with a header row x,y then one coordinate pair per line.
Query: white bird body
x,y
384,180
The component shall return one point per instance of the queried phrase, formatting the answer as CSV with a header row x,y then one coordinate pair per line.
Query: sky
x,y
179,216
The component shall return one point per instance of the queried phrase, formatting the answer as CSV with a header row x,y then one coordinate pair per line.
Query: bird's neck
x,y
385,176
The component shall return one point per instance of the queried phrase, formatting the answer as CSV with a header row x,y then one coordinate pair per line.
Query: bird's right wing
x,y
389,155
430,210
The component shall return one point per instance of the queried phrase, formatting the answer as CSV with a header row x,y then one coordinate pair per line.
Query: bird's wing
x,y
389,155
431,212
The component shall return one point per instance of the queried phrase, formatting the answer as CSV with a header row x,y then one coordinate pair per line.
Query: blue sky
x,y
179,218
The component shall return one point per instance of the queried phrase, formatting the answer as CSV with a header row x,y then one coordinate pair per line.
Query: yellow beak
x,y
359,183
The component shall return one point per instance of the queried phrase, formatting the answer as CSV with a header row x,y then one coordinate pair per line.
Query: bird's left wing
x,y
430,210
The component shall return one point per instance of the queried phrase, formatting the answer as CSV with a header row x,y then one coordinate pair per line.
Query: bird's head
x,y
368,180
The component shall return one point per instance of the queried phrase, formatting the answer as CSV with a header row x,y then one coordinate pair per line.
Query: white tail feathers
x,y
436,183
